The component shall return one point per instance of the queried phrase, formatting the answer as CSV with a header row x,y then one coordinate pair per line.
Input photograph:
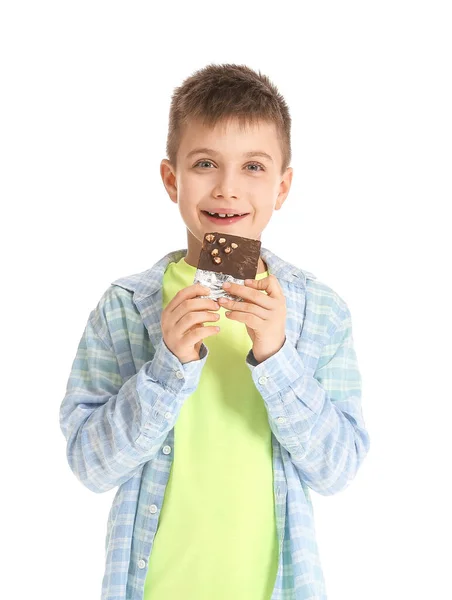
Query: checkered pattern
x,y
126,389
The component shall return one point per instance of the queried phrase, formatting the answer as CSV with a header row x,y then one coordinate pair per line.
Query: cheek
x,y
194,184
261,189
185,190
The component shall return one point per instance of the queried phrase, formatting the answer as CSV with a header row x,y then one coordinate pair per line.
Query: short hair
x,y
219,92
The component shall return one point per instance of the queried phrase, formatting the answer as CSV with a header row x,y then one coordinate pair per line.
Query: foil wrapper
x,y
214,282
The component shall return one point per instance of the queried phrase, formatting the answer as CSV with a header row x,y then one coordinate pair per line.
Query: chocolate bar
x,y
226,257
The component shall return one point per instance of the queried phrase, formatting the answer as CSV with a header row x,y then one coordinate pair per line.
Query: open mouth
x,y
225,219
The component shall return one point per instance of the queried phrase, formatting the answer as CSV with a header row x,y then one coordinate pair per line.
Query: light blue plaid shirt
x,y
126,389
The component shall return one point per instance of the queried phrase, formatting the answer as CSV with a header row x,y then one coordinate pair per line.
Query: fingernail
x,y
227,284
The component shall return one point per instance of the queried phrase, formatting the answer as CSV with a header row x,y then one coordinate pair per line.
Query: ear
x,y
168,174
284,187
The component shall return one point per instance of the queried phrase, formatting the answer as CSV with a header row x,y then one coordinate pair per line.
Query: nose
x,y
225,186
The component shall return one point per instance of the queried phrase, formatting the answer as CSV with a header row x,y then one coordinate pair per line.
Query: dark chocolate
x,y
230,254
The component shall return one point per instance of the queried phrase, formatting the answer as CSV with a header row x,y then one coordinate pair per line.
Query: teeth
x,y
223,215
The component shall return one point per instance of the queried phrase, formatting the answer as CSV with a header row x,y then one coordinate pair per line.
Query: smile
x,y
225,220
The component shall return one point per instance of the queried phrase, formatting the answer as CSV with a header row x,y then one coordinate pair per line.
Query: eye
x,y
203,161
255,165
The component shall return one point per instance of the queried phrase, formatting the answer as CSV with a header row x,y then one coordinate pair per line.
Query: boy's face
x,y
226,174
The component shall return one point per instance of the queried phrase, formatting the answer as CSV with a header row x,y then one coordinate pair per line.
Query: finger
x,y
269,284
254,296
244,307
253,321
194,318
192,291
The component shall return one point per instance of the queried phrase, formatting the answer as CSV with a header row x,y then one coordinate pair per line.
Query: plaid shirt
x,y
125,391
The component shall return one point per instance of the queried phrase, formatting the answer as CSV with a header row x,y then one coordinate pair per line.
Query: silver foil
x,y
214,282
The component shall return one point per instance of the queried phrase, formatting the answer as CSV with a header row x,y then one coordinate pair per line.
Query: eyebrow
x,y
210,151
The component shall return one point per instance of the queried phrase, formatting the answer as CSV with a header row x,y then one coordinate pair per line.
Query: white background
x,y
86,88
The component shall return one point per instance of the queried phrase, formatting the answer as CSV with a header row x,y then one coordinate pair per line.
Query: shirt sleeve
x,y
112,427
317,418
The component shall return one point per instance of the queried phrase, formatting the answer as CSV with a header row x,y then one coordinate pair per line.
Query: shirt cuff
x,y
166,369
277,372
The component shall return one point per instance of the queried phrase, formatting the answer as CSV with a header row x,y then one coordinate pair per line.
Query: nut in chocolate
x,y
230,254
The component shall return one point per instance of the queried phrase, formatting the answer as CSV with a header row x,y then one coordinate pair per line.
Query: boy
x,y
214,437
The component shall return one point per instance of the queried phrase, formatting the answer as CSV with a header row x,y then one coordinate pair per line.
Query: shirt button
x,y
262,380
141,563
153,509
166,449
179,374
168,415
281,420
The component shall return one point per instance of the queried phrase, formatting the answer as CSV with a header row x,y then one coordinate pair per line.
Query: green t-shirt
x,y
217,534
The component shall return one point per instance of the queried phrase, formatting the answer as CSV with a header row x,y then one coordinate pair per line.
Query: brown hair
x,y
217,93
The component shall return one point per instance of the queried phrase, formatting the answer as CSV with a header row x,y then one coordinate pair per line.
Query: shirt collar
x,y
148,282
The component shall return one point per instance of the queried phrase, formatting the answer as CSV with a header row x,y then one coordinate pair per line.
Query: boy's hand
x,y
264,315
183,319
